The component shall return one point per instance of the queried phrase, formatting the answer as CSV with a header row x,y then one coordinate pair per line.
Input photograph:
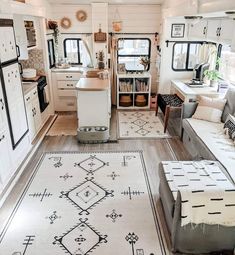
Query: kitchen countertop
x,y
79,69
92,84
28,86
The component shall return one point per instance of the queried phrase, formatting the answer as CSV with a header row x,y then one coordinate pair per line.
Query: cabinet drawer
x,y
67,93
66,84
68,76
34,93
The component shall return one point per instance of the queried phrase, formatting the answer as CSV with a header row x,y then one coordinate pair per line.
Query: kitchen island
x,y
93,102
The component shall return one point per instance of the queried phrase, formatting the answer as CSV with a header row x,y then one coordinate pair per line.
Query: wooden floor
x,y
154,151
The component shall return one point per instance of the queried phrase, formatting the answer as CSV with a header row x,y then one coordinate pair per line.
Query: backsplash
x,y
35,61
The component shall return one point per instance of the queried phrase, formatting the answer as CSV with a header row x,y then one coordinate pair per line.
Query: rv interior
x,y
117,127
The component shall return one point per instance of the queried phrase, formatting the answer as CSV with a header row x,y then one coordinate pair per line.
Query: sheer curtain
x,y
208,54
113,67
86,56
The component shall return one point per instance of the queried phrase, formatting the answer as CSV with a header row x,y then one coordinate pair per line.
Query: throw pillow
x,y
230,104
229,126
209,109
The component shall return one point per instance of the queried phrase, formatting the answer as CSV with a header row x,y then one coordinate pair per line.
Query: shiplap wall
x,y
135,18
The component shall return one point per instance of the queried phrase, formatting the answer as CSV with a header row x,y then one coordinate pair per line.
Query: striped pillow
x,y
229,126
209,109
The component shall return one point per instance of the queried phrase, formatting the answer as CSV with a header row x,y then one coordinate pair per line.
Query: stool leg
x,y
156,107
166,117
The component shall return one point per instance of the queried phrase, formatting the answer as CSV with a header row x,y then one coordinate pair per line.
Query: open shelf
x,y
131,87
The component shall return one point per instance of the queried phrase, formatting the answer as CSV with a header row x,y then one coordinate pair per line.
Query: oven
x,y
43,93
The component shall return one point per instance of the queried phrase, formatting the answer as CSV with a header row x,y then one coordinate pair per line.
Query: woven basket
x,y
117,26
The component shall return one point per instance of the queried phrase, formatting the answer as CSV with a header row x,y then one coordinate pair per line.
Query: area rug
x,y
85,203
64,125
140,124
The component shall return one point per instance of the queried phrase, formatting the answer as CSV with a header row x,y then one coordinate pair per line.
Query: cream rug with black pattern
x,y
85,203
140,124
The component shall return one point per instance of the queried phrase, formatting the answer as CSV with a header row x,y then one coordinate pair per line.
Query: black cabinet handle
x,y
69,76
220,31
1,101
204,30
2,138
18,50
21,68
28,98
35,92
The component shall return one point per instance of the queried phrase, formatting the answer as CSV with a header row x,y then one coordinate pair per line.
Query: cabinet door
x,y
213,30
15,102
37,114
5,161
21,37
227,31
30,116
198,31
7,43
2,109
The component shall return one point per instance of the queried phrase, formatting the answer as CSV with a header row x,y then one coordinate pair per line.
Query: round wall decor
x,y
65,23
81,15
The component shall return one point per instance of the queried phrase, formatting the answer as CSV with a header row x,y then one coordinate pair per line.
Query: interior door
x,y
15,102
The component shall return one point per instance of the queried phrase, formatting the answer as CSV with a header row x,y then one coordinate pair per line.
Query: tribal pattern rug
x,y
85,203
140,124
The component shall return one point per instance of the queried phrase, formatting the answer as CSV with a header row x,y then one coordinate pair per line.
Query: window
x,y
73,49
185,56
51,52
131,50
227,64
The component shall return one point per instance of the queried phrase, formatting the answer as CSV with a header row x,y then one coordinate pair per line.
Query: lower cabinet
x,y
33,113
5,159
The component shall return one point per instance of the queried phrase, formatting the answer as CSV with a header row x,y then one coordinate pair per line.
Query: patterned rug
x,y
85,203
140,124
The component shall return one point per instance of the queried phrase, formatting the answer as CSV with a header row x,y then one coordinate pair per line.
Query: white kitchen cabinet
x,y
227,31
33,113
198,30
64,90
5,159
21,36
7,45
220,30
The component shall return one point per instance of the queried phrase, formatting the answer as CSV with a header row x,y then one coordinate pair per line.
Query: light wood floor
x,y
154,151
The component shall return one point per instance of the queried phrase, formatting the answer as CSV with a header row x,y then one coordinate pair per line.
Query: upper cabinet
x,y
7,42
21,37
215,30
198,30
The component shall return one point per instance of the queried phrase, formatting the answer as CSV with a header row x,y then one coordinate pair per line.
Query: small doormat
x,y
85,203
66,124
140,124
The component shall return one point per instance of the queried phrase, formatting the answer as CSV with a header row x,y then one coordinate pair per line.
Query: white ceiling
x,y
108,1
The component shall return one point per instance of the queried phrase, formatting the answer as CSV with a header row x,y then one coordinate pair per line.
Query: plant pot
x,y
213,83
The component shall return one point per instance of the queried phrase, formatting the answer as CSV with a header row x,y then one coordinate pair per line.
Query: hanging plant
x,y
54,26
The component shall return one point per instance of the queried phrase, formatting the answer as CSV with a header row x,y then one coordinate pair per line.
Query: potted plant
x,y
213,75
145,61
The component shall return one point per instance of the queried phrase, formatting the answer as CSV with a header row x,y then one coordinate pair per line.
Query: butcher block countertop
x,y
92,84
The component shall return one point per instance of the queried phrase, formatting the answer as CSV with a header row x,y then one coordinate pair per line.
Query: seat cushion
x,y
212,136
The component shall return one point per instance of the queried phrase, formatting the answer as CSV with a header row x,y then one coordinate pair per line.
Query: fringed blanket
x,y
207,195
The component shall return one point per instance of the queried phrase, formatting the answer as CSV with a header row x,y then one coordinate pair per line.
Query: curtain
x,y
86,58
208,54
113,67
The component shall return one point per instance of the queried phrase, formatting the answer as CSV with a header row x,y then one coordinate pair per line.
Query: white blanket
x,y
207,195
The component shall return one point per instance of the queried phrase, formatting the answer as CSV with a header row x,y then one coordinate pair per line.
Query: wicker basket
x,y
125,101
140,101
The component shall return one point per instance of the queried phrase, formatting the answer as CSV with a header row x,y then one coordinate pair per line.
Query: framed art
x,y
177,30
121,68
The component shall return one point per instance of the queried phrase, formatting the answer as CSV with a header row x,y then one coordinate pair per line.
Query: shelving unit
x,y
133,86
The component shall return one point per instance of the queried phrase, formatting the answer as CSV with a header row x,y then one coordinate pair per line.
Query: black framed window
x,y
130,50
51,52
72,50
185,55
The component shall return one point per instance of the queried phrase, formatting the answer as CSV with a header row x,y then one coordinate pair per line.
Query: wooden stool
x,y
168,102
